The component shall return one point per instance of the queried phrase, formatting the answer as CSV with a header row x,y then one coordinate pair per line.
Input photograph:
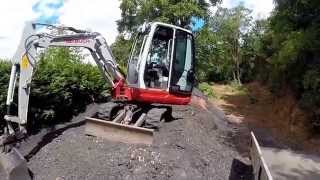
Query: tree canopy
x,y
179,12
220,43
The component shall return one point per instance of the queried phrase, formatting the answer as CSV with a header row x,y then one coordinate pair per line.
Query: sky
x,y
95,15
261,8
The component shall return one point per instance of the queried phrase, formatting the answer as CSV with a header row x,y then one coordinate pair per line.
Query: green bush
x,y
206,89
62,86
4,80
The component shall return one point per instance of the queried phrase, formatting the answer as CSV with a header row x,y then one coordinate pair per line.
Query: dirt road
x,y
195,145
277,121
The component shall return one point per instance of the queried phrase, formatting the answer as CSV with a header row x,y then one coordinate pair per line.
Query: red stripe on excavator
x,y
159,96
122,92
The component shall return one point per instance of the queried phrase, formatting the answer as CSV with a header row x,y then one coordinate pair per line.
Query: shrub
x,y
4,80
62,86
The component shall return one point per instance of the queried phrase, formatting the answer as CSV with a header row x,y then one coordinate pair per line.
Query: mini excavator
x,y
160,71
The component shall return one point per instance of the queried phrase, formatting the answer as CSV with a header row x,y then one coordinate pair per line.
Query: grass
x,y
207,89
218,91
237,88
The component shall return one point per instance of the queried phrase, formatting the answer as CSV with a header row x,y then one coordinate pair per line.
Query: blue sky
x,y
48,11
96,15
197,23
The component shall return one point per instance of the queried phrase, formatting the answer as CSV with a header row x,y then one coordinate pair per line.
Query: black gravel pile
x,y
191,146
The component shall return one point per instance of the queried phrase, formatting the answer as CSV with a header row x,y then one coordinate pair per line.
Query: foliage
x,y
136,12
4,80
206,89
294,43
219,45
253,52
121,49
238,88
62,86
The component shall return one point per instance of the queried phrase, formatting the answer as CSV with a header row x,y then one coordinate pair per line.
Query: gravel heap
x,y
191,146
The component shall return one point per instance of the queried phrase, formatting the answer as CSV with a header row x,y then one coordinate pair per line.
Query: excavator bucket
x,y
13,166
114,131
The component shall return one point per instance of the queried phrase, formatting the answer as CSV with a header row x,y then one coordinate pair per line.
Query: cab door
x,y
182,65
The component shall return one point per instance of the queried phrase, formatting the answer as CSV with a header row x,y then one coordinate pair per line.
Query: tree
x,y
253,51
5,67
179,12
121,49
292,47
223,39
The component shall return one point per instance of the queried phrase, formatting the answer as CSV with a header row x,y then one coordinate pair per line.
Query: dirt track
x,y
194,146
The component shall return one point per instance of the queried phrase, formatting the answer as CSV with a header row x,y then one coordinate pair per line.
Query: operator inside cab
x,y
158,59
165,55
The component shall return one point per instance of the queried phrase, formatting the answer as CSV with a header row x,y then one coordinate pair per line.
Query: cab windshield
x,y
137,48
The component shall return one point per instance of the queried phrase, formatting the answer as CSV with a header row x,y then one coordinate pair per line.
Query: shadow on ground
x,y
50,136
240,170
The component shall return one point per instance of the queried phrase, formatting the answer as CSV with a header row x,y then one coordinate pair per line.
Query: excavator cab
x,y
162,59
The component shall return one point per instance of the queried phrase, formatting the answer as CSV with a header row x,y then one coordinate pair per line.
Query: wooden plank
x,y
118,132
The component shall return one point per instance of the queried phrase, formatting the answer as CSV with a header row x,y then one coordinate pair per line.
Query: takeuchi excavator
x,y
160,72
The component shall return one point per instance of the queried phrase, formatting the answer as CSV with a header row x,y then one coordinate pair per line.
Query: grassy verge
x,y
217,91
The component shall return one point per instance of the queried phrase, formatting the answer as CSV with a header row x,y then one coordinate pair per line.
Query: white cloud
x,y
227,3
13,14
96,15
260,8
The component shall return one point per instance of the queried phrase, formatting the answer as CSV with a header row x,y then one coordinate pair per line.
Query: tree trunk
x,y
237,58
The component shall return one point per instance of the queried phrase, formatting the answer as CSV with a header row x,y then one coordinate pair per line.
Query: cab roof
x,y
171,26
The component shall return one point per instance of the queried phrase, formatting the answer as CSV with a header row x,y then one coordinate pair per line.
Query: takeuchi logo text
x,y
77,41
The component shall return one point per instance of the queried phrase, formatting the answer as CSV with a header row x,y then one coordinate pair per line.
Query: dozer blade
x,y
13,166
118,132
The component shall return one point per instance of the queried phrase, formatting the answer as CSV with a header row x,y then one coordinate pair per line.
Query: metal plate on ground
x,y
118,132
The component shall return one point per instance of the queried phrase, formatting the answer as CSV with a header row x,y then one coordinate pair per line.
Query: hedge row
x,y
62,86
